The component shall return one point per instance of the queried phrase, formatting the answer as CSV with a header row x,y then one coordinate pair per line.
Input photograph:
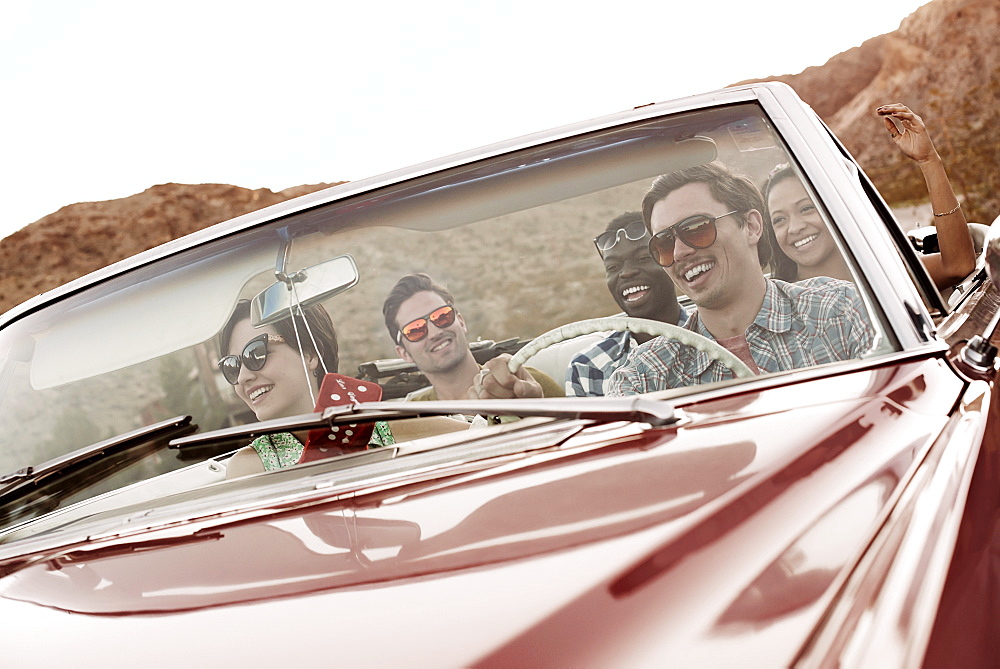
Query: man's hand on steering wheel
x,y
496,381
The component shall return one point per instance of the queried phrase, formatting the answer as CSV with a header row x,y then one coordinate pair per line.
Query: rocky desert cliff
x,y
84,237
943,61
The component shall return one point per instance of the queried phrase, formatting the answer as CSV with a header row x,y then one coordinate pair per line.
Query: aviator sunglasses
x,y
417,329
633,232
698,232
254,356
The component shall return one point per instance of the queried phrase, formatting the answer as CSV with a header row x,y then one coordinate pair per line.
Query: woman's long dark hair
x,y
782,267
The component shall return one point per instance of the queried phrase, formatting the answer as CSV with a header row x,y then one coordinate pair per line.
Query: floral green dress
x,y
282,449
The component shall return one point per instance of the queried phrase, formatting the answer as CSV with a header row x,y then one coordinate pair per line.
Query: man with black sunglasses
x,y
642,290
429,331
708,231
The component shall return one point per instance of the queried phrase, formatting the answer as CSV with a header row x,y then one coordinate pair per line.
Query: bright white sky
x,y
103,99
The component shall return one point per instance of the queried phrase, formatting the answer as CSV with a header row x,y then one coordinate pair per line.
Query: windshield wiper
x,y
601,410
48,483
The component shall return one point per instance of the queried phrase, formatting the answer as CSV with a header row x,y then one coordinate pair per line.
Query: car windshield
x,y
511,236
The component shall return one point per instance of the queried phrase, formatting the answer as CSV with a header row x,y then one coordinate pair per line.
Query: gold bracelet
x,y
957,207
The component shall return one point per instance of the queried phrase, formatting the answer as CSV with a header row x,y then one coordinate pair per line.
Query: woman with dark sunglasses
x,y
276,370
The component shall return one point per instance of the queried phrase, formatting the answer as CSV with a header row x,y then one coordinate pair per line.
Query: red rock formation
x,y
83,237
944,63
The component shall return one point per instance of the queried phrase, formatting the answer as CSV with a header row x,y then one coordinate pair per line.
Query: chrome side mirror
x,y
991,247
979,355
304,288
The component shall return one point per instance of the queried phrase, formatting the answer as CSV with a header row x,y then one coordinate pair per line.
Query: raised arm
x,y
957,257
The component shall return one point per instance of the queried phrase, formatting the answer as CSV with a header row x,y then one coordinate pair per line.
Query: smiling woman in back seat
x,y
807,248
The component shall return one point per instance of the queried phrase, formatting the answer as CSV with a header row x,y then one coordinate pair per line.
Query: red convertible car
x,y
829,497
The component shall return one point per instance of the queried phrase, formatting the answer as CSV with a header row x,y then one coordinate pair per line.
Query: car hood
x,y
693,541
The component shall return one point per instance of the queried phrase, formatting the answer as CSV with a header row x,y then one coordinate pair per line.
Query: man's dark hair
x,y
405,288
737,191
318,322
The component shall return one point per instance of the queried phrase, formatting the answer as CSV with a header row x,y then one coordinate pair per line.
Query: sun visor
x,y
530,181
147,319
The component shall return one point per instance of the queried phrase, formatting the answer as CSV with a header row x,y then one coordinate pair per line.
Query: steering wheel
x,y
710,348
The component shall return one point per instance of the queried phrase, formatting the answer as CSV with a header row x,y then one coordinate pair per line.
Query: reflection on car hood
x,y
620,537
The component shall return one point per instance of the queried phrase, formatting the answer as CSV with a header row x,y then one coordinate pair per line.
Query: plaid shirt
x,y
589,371
802,324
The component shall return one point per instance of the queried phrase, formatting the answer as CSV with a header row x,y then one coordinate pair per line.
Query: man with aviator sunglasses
x,y
428,331
641,289
710,235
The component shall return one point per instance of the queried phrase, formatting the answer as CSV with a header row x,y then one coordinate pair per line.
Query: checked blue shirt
x,y
801,324
589,371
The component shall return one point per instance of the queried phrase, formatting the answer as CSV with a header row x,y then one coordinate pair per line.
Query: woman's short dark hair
x,y
736,191
314,319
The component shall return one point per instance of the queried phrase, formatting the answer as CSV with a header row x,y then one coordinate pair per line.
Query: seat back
x,y
554,360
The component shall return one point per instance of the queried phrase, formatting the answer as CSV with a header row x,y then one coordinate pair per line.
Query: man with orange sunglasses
x,y
429,331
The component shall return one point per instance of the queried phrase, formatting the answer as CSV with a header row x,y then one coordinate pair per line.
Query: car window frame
x,y
865,223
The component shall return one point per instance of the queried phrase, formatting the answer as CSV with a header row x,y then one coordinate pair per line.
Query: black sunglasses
x,y
254,356
698,232
417,329
633,232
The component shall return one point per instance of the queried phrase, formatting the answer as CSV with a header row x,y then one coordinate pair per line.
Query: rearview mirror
x,y
305,287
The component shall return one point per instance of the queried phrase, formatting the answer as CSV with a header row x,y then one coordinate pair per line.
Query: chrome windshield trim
x,y
837,182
